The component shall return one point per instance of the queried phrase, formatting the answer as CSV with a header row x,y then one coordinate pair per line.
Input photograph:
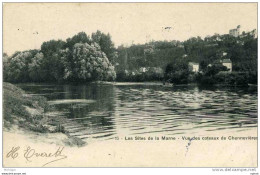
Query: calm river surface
x,y
105,111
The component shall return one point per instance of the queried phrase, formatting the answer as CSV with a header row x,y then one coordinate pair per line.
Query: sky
x,y
27,25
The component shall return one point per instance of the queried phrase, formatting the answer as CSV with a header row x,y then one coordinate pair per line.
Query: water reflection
x,y
141,109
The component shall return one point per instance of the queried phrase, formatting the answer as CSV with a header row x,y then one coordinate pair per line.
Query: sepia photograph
x,y
130,85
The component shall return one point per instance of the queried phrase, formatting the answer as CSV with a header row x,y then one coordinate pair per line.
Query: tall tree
x,y
106,45
81,37
87,63
52,67
35,67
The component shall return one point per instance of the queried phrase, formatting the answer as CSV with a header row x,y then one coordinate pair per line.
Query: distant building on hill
x,y
224,53
184,56
227,63
238,33
194,67
235,32
142,69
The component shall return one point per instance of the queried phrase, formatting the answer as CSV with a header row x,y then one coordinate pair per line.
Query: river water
x,y
105,111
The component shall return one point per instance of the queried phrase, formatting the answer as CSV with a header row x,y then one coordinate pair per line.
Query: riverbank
x,y
28,114
147,83
161,84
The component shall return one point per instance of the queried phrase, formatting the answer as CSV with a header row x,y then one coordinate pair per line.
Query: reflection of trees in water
x,y
98,115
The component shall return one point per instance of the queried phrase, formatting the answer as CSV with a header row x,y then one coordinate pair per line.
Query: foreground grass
x,y
22,109
28,112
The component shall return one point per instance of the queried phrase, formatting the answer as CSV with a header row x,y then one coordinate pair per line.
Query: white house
x,y
227,63
194,67
184,56
143,69
224,53
235,32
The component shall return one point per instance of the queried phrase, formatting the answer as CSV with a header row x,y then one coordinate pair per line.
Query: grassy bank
x,y
29,113
22,109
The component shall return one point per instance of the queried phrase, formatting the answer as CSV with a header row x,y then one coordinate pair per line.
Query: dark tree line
x,y
87,58
80,59
173,57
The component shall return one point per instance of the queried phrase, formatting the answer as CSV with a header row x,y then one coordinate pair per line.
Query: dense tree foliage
x,y
242,51
52,66
77,59
5,66
106,45
18,66
35,67
81,37
177,72
87,63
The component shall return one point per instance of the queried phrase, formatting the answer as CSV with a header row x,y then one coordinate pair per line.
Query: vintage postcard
x,y
130,85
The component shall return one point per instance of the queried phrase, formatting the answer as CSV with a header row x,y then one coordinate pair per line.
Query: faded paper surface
x,y
59,21
139,153
126,22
